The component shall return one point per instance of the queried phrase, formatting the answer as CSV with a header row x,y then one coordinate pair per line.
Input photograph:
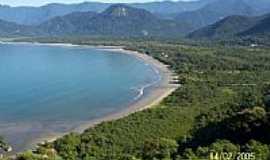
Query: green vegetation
x,y
223,105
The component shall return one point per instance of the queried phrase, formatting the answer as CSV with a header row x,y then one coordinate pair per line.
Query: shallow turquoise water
x,y
54,88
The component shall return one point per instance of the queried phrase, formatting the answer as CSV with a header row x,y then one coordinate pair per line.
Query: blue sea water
x,y
44,88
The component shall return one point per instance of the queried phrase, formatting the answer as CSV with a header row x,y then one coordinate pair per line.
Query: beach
x,y
151,95
156,94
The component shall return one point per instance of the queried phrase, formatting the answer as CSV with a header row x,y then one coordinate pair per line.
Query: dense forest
x,y
221,109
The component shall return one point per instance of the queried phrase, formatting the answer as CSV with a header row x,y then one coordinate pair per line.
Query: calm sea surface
x,y
52,89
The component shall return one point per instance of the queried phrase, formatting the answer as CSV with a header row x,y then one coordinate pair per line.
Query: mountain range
x,y
197,19
37,15
117,20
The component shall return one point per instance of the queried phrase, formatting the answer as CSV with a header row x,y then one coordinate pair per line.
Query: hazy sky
x,y
42,2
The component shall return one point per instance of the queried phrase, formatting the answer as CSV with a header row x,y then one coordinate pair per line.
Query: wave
x,y
141,90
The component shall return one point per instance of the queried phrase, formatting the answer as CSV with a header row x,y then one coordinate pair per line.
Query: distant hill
x,y
117,20
260,6
262,28
233,26
11,29
37,15
227,27
8,28
220,9
69,23
171,7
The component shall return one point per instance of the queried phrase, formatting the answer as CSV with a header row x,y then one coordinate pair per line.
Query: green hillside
x,y
225,28
235,27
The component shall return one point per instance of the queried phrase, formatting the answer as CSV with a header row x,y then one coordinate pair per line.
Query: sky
x,y
43,2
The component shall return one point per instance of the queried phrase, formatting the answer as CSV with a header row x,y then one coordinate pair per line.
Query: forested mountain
x,y
234,26
220,9
37,15
117,20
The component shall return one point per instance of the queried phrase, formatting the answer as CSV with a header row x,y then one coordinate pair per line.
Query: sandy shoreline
x,y
155,95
